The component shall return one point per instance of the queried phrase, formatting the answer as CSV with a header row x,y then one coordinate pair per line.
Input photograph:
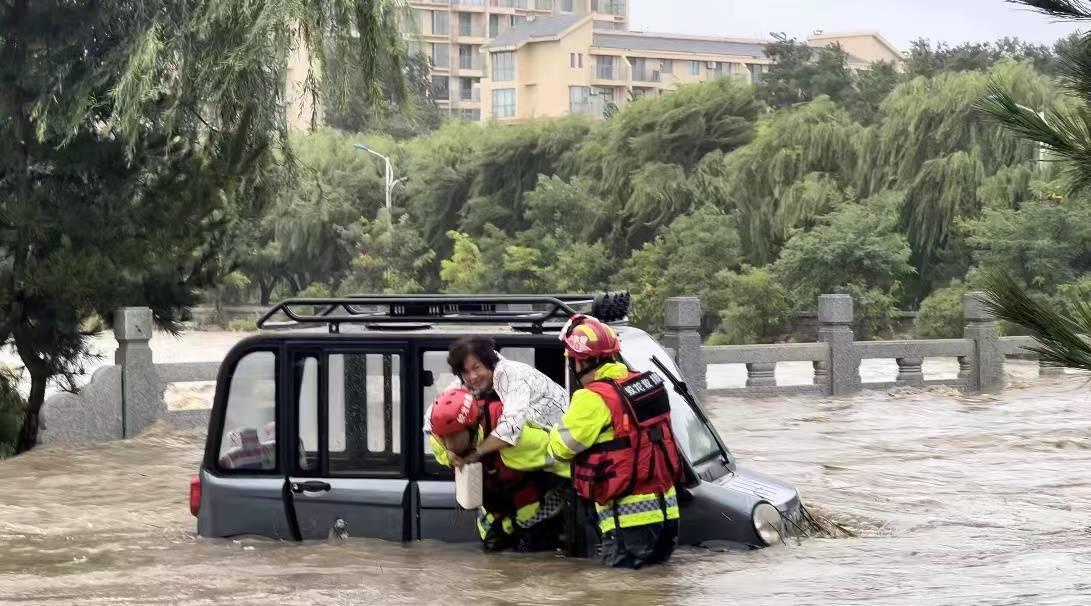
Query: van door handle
x,y
310,486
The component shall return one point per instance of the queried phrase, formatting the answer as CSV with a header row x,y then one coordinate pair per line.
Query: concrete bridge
x,y
124,398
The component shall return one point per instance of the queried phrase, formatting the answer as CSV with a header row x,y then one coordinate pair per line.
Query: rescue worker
x,y
523,502
617,432
529,397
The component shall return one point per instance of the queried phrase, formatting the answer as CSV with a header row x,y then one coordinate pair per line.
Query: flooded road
x,y
955,499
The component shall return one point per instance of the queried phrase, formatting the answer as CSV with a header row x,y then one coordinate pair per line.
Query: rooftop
x,y
542,28
679,44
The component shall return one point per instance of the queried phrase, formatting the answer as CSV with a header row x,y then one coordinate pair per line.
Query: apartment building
x,y
453,32
570,63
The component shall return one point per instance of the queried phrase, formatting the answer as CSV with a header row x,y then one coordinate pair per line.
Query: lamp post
x,y
388,179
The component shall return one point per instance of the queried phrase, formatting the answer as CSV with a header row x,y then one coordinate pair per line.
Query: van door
x,y
349,475
243,477
441,519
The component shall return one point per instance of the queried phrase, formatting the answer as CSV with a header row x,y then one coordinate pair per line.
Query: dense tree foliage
x,y
138,142
889,188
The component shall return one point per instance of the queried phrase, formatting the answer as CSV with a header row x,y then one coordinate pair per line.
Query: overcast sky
x,y
900,21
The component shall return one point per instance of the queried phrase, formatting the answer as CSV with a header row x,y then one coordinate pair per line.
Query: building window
x,y
579,63
579,99
466,89
503,103
667,67
441,23
494,26
695,68
465,24
441,88
604,68
503,67
518,20
472,115
611,7
543,5
571,59
567,6
755,72
441,56
467,57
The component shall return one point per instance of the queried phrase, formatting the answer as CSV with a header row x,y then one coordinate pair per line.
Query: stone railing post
x,y
835,328
987,367
682,321
141,395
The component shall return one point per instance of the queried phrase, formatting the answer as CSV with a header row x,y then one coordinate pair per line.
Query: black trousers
x,y
543,536
638,546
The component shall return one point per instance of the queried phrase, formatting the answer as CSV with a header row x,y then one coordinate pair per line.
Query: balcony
x,y
474,31
471,63
508,3
470,95
646,75
610,71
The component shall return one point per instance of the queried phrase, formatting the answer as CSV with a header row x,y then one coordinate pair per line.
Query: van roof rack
x,y
532,311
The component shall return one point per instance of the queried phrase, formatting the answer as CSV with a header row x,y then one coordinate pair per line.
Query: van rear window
x,y
249,439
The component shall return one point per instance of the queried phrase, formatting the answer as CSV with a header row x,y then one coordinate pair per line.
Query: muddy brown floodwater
x,y
955,499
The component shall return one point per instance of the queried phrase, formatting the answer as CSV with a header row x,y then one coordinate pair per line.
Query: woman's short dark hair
x,y
483,348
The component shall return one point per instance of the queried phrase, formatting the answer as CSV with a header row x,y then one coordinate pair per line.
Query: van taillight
x,y
195,495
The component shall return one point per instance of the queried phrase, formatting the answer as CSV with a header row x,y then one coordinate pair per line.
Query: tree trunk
x,y
28,435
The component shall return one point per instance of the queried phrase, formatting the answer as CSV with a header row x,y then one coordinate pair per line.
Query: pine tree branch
x,y
1061,9
1061,341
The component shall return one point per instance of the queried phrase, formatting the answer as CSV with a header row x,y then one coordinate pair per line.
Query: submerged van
x,y
316,423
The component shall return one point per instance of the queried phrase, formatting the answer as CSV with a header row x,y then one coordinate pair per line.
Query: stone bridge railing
x,y
836,357
124,399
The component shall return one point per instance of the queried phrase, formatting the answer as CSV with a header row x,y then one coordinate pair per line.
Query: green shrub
x,y
940,315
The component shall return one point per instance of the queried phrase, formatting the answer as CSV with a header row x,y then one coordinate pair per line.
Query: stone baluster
x,y
910,371
761,374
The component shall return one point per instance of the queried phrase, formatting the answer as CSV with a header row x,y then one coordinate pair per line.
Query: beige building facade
x,y
565,64
452,34
517,60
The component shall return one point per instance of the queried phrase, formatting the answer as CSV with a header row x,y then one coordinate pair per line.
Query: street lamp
x,y
388,179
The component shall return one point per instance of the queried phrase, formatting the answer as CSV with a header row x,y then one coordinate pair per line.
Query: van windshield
x,y
694,437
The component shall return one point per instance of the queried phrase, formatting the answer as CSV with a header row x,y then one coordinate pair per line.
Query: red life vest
x,y
506,490
642,458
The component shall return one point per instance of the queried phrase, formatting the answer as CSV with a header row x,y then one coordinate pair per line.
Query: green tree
x,y
388,259
855,250
793,172
802,73
756,308
941,314
683,260
393,117
674,132
135,138
465,271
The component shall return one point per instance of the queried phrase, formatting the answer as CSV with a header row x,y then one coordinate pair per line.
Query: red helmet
x,y
585,337
454,410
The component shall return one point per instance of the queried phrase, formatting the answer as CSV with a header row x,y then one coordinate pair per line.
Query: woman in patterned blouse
x,y
529,396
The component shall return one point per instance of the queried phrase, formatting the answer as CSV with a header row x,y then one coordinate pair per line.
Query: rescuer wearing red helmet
x,y
617,432
523,502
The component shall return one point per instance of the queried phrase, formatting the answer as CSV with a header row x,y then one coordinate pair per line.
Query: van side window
x,y
365,413
249,439
306,385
